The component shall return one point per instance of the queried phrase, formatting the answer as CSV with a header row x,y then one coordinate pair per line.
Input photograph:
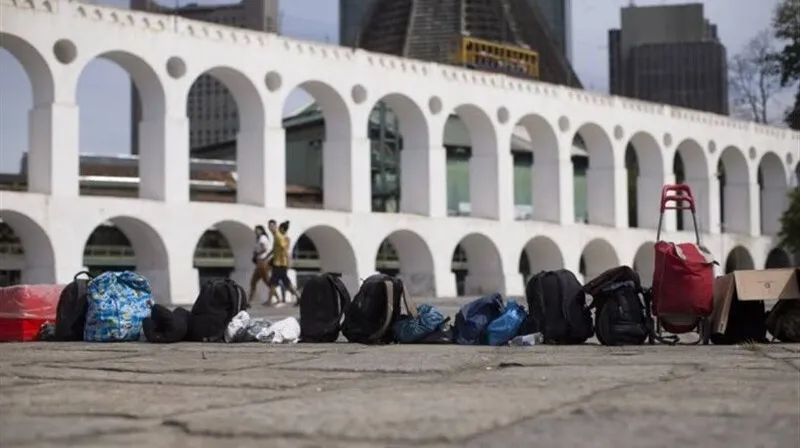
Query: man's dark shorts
x,y
279,276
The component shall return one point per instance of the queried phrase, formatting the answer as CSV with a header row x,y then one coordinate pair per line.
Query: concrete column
x,y
53,154
491,185
648,202
346,175
60,273
423,187
261,167
553,191
176,285
483,283
419,283
164,159
773,203
741,213
515,285
607,196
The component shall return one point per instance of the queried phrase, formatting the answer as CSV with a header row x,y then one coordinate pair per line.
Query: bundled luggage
x,y
557,308
376,307
72,308
25,308
783,320
118,304
683,274
216,305
322,306
622,308
473,319
118,307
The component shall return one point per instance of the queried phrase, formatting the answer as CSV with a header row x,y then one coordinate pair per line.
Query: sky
x,y
104,92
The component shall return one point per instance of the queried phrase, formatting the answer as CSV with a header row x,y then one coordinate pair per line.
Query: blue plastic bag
x,y
474,317
118,304
407,331
506,327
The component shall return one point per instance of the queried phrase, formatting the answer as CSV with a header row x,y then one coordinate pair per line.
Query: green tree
x,y
790,223
786,22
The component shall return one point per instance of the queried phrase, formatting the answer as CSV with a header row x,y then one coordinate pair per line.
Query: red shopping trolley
x,y
683,275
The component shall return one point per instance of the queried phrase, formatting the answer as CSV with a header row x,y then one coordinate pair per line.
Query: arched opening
x,y
324,249
28,84
593,173
398,133
738,259
778,258
225,251
122,143
405,254
319,162
26,253
127,243
773,187
690,167
539,254
471,143
645,176
644,262
477,266
534,148
226,138
797,175
734,191
596,258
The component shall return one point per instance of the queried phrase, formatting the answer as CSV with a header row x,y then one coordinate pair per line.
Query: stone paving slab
x,y
347,395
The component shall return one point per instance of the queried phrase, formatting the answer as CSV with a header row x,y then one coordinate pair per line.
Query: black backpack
x,y
71,309
322,306
557,308
219,300
374,309
165,326
783,321
622,312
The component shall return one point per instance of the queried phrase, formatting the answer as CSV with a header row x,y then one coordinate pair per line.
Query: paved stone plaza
x,y
345,395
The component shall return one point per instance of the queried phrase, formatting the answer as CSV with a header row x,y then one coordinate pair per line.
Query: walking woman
x,y
280,262
261,259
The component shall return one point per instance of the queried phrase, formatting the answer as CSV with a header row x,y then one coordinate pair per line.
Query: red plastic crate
x,y
24,308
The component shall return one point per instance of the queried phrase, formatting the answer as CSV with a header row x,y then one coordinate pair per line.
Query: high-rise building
x,y
433,30
669,54
211,108
558,16
351,20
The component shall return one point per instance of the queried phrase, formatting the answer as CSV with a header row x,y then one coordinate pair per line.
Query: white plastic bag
x,y
237,328
286,331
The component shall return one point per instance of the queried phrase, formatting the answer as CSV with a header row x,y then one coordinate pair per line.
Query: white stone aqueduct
x,y
55,40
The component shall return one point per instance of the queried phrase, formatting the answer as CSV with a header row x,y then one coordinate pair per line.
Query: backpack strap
x,y
236,292
389,284
411,307
342,293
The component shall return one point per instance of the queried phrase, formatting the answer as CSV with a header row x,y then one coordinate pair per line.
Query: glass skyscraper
x,y
557,14
351,17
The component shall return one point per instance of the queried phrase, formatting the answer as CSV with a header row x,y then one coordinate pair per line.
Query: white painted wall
x,y
55,40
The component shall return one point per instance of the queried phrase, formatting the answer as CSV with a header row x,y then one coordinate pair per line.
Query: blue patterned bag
x,y
118,304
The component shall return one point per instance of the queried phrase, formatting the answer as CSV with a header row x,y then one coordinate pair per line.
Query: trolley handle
x,y
677,197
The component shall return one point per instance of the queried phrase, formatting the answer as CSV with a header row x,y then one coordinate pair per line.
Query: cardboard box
x,y
769,284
